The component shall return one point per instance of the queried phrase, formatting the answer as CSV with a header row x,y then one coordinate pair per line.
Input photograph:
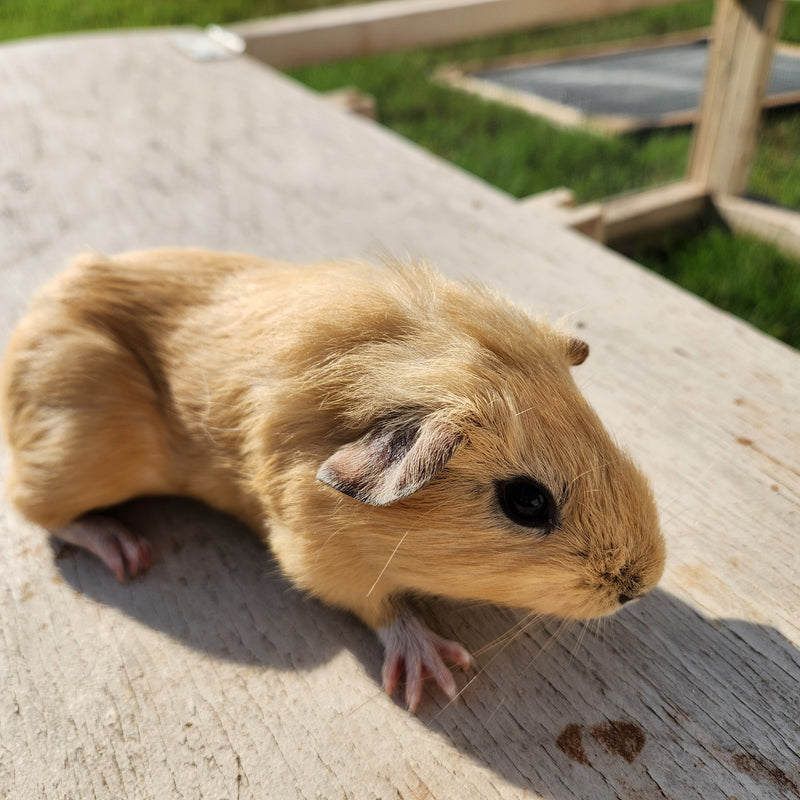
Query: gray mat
x,y
641,84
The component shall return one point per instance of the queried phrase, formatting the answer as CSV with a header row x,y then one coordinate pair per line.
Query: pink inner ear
x,y
391,461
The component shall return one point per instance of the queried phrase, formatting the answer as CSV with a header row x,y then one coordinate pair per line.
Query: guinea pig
x,y
389,432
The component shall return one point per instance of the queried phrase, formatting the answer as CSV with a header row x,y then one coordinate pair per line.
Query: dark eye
x,y
527,503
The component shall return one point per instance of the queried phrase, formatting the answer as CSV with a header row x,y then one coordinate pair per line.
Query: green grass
x,y
516,152
522,154
20,18
506,147
741,274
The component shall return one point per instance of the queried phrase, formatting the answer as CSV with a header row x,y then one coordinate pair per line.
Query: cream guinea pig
x,y
387,431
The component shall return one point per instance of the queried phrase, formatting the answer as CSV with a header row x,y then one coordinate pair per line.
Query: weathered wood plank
x,y
559,206
640,213
210,677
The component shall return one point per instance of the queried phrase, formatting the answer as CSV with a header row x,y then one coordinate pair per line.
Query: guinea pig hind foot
x,y
413,648
124,552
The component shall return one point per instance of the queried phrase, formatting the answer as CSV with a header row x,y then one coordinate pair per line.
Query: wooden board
x,y
210,677
780,226
637,214
349,31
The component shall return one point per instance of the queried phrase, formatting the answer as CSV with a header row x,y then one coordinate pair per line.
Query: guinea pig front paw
x,y
124,552
413,648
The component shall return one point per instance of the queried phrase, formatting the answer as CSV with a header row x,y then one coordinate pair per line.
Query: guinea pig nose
x,y
625,598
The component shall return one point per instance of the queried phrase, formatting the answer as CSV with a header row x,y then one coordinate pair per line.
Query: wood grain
x,y
738,71
210,677
775,224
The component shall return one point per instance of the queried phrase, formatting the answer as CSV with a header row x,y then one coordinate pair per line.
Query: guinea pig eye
x,y
527,503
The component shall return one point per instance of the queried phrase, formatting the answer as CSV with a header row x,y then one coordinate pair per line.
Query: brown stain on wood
x,y
570,741
746,441
620,737
756,767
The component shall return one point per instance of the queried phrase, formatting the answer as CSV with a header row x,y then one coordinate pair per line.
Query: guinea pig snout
x,y
628,584
627,580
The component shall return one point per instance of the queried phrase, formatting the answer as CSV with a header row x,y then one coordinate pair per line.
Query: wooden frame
x,y
464,77
744,38
293,40
780,225
723,142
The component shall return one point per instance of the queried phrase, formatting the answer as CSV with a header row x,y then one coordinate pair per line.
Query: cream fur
x,y
233,380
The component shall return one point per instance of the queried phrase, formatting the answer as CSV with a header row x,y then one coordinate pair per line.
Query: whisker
x,y
529,620
507,635
388,561
578,643
208,428
328,539
392,555
563,626
499,706
594,468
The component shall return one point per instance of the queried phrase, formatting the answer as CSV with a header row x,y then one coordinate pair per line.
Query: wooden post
x,y
738,70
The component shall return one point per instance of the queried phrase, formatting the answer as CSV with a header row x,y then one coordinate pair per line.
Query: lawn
x,y
524,155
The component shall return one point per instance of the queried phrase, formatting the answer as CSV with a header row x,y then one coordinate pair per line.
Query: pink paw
x,y
413,648
124,552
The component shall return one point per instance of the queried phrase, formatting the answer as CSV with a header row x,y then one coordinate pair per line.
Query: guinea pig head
x,y
509,491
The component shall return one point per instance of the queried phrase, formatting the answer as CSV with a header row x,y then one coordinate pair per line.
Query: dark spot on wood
x,y
775,487
569,740
738,401
756,767
620,737
743,440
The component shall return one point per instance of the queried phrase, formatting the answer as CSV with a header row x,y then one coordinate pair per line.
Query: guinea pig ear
x,y
577,351
392,460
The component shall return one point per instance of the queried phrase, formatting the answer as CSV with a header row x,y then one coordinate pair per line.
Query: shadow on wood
x,y
592,708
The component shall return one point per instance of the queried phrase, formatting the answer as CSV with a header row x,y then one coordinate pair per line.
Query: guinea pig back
x,y
388,431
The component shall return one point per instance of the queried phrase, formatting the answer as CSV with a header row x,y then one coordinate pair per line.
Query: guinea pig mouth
x,y
608,595
625,590
625,583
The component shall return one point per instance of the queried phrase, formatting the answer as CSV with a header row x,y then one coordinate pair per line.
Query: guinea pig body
x,y
387,431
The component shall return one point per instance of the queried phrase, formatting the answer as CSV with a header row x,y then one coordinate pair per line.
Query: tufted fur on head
x,y
440,392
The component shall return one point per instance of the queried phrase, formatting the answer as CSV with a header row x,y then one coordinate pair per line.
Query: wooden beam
x,y
645,212
559,205
293,40
777,225
741,54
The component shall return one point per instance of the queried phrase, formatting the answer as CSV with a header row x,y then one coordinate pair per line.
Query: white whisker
x,y
389,561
